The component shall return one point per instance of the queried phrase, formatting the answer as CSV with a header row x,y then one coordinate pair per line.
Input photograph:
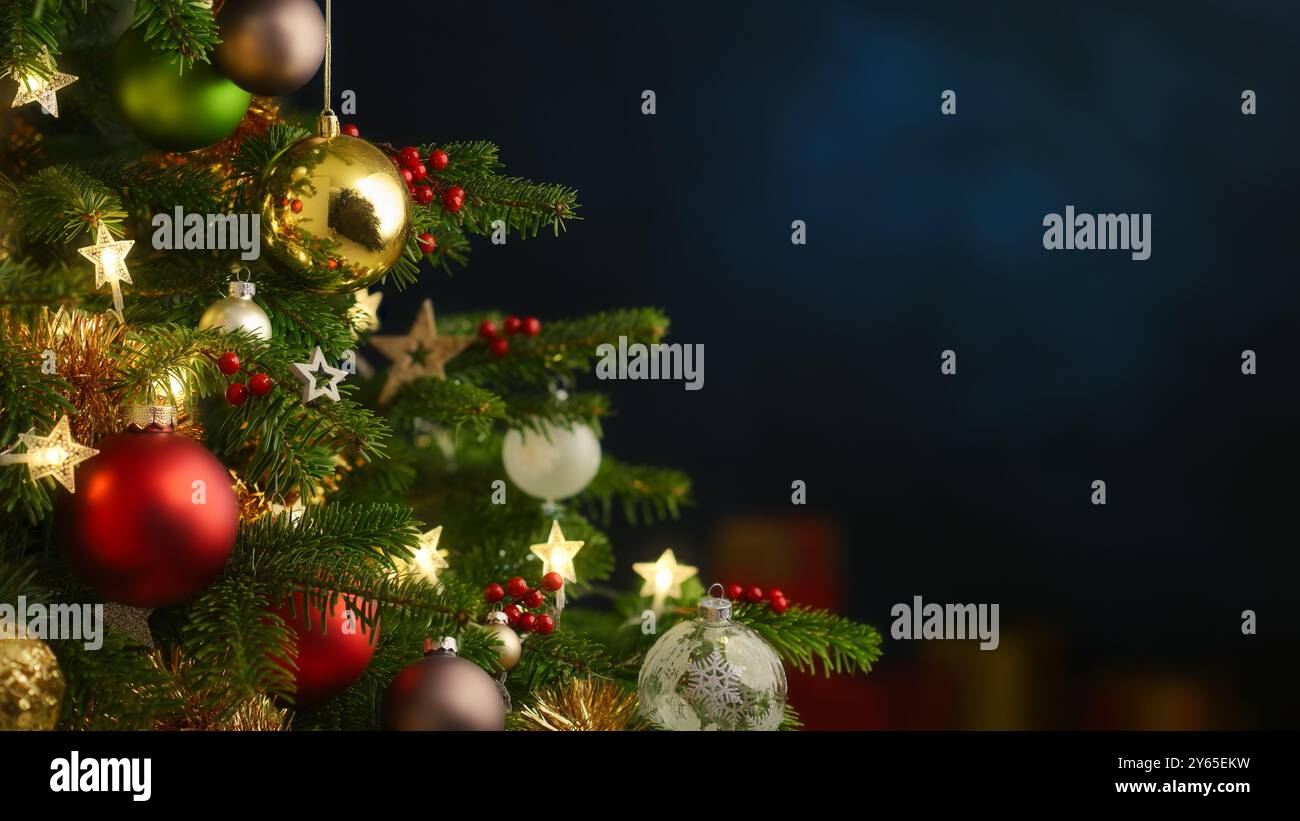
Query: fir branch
x,y
809,639
645,493
183,27
446,402
258,152
60,203
31,31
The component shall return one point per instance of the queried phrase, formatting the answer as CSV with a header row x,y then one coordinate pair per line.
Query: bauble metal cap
x,y
715,609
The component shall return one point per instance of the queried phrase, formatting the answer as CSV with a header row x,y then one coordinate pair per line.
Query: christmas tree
x,y
292,517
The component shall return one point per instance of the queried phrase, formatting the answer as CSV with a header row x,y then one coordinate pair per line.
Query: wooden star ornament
x,y
421,352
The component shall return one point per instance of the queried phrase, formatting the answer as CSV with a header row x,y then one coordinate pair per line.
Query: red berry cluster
x,y
525,599
415,173
259,384
511,325
775,599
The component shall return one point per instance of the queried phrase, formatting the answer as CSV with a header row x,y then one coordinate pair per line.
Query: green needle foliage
x,y
336,496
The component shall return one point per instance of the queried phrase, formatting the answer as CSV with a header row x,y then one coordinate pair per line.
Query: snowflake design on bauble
x,y
713,688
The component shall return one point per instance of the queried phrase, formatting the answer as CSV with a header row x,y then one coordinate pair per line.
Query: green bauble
x,y
168,108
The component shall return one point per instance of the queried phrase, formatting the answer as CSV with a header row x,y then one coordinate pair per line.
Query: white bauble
x,y
238,312
552,463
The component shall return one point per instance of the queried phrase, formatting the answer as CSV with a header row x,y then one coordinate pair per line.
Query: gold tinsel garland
x,y
580,705
258,713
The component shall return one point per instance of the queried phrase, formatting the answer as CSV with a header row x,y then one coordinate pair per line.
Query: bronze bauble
x,y
335,210
270,47
444,692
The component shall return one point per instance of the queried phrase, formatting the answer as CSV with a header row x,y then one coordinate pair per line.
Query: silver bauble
x,y
512,647
552,463
238,312
444,692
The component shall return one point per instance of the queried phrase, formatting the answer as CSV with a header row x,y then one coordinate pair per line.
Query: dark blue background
x,y
822,361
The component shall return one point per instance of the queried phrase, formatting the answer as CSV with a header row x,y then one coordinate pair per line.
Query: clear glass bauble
x,y
712,673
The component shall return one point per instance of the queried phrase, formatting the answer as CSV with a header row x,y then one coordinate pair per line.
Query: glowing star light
x,y
557,556
307,371
663,578
33,89
55,455
109,256
428,560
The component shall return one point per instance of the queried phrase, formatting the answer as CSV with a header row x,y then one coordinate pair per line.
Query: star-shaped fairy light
x,y
55,455
109,256
557,555
33,89
307,374
421,352
365,314
428,560
663,578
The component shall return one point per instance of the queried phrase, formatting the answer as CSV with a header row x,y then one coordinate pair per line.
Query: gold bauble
x,y
31,685
336,211
511,646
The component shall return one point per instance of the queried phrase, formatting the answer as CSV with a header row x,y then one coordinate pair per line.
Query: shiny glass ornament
x,y
31,683
552,462
335,211
444,692
168,108
712,673
238,312
512,646
270,47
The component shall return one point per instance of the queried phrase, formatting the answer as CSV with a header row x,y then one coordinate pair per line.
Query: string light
x,y
663,578
109,257
55,455
34,88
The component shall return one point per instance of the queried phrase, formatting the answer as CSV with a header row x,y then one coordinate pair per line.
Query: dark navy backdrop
x,y
822,362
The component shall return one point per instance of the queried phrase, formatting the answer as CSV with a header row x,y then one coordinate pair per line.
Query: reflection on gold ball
x,y
336,211
31,685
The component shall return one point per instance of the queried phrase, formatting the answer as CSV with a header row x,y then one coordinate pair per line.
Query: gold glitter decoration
x,y
257,714
31,685
581,705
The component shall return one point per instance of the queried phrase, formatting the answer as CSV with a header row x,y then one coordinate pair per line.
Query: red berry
x,y
410,156
228,363
426,242
423,194
735,591
499,346
779,605
487,329
494,593
351,130
296,206
535,598
512,612
438,159
236,393
284,202
408,176
754,595
526,622
453,199
532,326
517,588
259,384
511,325
331,263
544,625
552,581
775,593
419,171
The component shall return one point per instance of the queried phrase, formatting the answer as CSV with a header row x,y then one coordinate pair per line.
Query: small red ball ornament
x,y
754,595
334,648
499,346
296,206
153,521
419,171
427,243
350,130
775,593
512,612
552,581
494,593
487,329
535,598
517,587
526,622
735,592
410,156
408,176
779,605
532,326
236,393
544,625
259,384
423,194
453,199
511,325
228,363
438,159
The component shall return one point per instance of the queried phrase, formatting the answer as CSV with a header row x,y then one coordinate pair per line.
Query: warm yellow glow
x,y
663,577
51,456
390,211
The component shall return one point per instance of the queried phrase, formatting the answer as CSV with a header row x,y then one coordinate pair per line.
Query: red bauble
x,y
532,326
511,325
328,662
350,130
552,581
228,363
427,243
535,598
236,393
487,329
259,384
296,206
494,593
735,591
517,587
499,346
438,159
544,625
153,520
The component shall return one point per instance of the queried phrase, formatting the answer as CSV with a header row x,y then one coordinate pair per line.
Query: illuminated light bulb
x,y
663,578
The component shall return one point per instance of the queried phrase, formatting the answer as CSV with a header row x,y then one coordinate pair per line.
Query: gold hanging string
x,y
327,125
